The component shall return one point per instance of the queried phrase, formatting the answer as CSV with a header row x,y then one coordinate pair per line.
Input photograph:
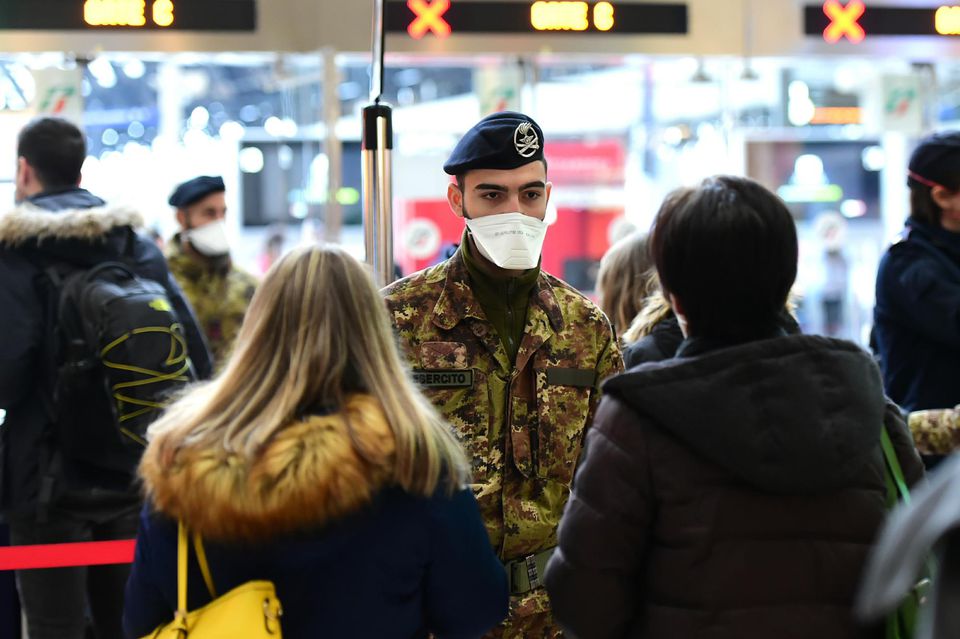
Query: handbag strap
x,y
181,615
182,556
896,485
204,565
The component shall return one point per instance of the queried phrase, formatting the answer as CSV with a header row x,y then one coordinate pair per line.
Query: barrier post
x,y
377,169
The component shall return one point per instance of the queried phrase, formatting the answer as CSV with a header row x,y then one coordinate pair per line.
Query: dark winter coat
x,y
660,344
351,555
917,318
78,228
729,493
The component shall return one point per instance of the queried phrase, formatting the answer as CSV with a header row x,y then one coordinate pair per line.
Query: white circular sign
x,y
422,239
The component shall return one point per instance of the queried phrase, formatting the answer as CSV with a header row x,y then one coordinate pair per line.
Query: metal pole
x,y
377,174
378,189
379,47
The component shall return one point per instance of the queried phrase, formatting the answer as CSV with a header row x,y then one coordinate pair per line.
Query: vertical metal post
x,y
378,189
377,170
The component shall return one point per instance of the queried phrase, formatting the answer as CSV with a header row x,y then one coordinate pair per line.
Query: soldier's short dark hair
x,y
727,250
55,149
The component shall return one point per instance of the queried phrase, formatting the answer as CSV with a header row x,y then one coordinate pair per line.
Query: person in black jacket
x,y
314,462
917,314
46,501
734,490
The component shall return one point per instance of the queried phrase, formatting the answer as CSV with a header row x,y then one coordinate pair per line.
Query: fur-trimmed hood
x,y
308,475
32,224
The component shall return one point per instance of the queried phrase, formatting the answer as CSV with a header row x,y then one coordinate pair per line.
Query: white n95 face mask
x,y
210,239
512,241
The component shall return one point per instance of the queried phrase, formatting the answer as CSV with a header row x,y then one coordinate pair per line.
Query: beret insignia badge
x,y
526,140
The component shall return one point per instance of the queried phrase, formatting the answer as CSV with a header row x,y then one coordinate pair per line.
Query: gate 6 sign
x,y
442,18
128,13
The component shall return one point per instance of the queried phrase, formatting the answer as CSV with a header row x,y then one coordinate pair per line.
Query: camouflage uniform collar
x,y
196,266
457,301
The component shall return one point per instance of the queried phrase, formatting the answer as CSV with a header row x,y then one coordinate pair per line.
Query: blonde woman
x,y
623,282
312,461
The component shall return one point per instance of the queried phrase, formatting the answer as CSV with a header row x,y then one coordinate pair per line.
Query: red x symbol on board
x,y
844,21
429,18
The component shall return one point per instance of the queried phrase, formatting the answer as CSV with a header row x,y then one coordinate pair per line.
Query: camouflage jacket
x,y
218,294
936,432
522,425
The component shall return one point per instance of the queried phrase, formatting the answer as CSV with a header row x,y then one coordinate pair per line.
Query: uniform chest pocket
x,y
462,396
563,403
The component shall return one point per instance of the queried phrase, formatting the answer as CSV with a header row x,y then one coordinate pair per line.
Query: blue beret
x,y
194,190
936,160
504,140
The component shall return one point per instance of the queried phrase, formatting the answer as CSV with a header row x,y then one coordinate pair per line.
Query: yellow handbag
x,y
249,611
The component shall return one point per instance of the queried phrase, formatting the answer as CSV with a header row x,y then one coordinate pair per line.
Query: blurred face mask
x,y
512,241
210,239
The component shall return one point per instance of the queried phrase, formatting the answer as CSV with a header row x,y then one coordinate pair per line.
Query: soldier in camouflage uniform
x,y
512,356
936,433
199,258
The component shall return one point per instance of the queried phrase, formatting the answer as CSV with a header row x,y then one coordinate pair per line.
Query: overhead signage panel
x,y
168,15
856,21
445,18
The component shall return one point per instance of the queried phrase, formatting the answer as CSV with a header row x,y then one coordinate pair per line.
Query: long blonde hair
x,y
623,281
316,331
655,309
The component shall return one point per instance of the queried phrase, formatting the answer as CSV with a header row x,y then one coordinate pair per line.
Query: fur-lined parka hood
x,y
308,475
30,224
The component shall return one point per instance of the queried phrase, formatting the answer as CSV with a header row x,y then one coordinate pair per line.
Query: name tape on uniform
x,y
444,379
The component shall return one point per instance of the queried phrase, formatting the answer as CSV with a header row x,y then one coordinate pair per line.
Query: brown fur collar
x,y
308,475
28,222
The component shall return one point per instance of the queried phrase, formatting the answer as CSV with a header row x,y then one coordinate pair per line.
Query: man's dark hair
x,y
727,250
55,149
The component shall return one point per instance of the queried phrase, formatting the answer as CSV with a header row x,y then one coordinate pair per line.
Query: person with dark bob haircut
x,y
749,235
917,315
735,489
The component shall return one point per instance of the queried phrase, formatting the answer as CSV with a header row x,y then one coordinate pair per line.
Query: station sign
x,y
856,20
169,15
443,18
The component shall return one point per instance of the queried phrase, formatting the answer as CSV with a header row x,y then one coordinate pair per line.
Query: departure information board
x,y
443,18
857,20
170,15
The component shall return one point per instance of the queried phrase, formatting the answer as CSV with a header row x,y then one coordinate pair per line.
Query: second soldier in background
x,y
199,257
511,356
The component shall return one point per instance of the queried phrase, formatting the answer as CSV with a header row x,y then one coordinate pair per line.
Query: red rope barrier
x,y
95,553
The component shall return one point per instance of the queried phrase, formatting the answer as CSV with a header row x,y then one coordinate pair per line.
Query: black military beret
x,y
195,190
504,140
936,161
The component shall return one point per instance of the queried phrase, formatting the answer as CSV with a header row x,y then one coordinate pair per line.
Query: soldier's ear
x,y
455,199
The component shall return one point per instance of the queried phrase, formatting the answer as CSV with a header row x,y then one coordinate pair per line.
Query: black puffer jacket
x,y
77,228
729,494
660,344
